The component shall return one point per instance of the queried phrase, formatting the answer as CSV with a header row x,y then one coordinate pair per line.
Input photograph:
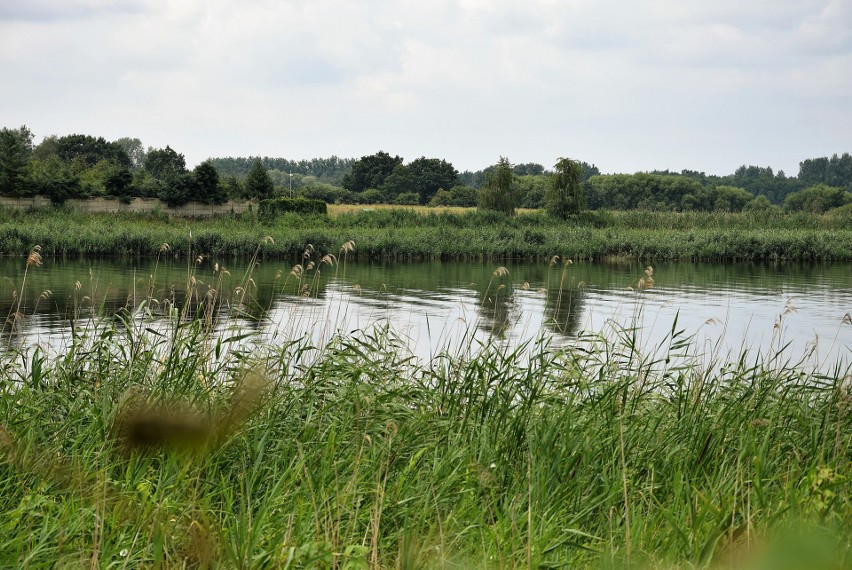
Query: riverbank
x,y
150,450
412,234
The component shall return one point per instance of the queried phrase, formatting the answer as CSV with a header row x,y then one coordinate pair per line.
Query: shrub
x,y
407,199
817,199
274,207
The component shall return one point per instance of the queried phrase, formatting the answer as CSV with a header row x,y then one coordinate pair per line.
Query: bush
x,y
407,199
372,196
458,195
274,207
817,199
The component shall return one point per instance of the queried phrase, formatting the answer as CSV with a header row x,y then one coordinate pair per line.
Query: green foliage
x,y
174,185
146,185
165,164
835,171
232,187
372,196
817,199
119,182
427,234
177,190
565,196
534,190
134,150
208,190
334,194
423,176
274,207
323,170
760,204
760,182
55,179
89,150
370,171
641,191
501,191
841,215
459,195
407,199
730,199
15,148
351,454
528,169
258,183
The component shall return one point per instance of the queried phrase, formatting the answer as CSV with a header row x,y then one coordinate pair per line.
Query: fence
x,y
110,206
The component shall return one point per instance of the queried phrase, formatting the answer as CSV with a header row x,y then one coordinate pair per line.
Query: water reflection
x,y
436,305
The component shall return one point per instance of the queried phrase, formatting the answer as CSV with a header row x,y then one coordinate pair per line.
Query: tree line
x,y
77,165
81,166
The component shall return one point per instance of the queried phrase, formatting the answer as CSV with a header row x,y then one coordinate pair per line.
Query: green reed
x,y
407,234
134,448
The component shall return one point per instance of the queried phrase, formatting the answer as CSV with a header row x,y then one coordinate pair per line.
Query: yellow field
x,y
337,209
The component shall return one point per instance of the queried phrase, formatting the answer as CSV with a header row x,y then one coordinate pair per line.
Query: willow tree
x,y
565,196
501,191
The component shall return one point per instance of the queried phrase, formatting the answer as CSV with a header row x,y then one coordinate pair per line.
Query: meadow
x,y
423,233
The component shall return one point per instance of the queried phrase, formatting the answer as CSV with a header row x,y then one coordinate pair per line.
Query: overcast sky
x,y
628,85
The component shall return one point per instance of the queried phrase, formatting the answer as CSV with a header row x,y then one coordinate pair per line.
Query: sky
x,y
627,85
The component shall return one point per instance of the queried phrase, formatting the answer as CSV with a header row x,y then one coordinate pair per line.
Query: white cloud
x,y
681,84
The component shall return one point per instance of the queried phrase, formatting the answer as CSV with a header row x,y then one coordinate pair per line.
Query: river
x,y
437,306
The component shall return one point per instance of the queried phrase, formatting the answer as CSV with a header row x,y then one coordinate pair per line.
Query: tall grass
x,y
410,234
134,448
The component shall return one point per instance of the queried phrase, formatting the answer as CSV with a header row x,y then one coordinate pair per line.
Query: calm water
x,y
441,305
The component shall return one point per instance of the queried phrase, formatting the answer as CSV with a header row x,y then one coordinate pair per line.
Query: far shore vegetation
x,y
79,166
436,212
420,233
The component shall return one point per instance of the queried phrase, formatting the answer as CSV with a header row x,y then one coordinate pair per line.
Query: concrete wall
x,y
108,206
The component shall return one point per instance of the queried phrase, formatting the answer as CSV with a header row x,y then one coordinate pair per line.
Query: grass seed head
x,y
34,258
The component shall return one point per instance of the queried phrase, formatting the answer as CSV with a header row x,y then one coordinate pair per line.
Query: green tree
x,y
16,146
233,187
431,175
177,190
501,191
133,148
55,179
817,199
49,146
760,204
458,195
207,187
565,196
174,185
258,183
119,182
165,164
423,176
90,150
528,169
370,171
730,198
